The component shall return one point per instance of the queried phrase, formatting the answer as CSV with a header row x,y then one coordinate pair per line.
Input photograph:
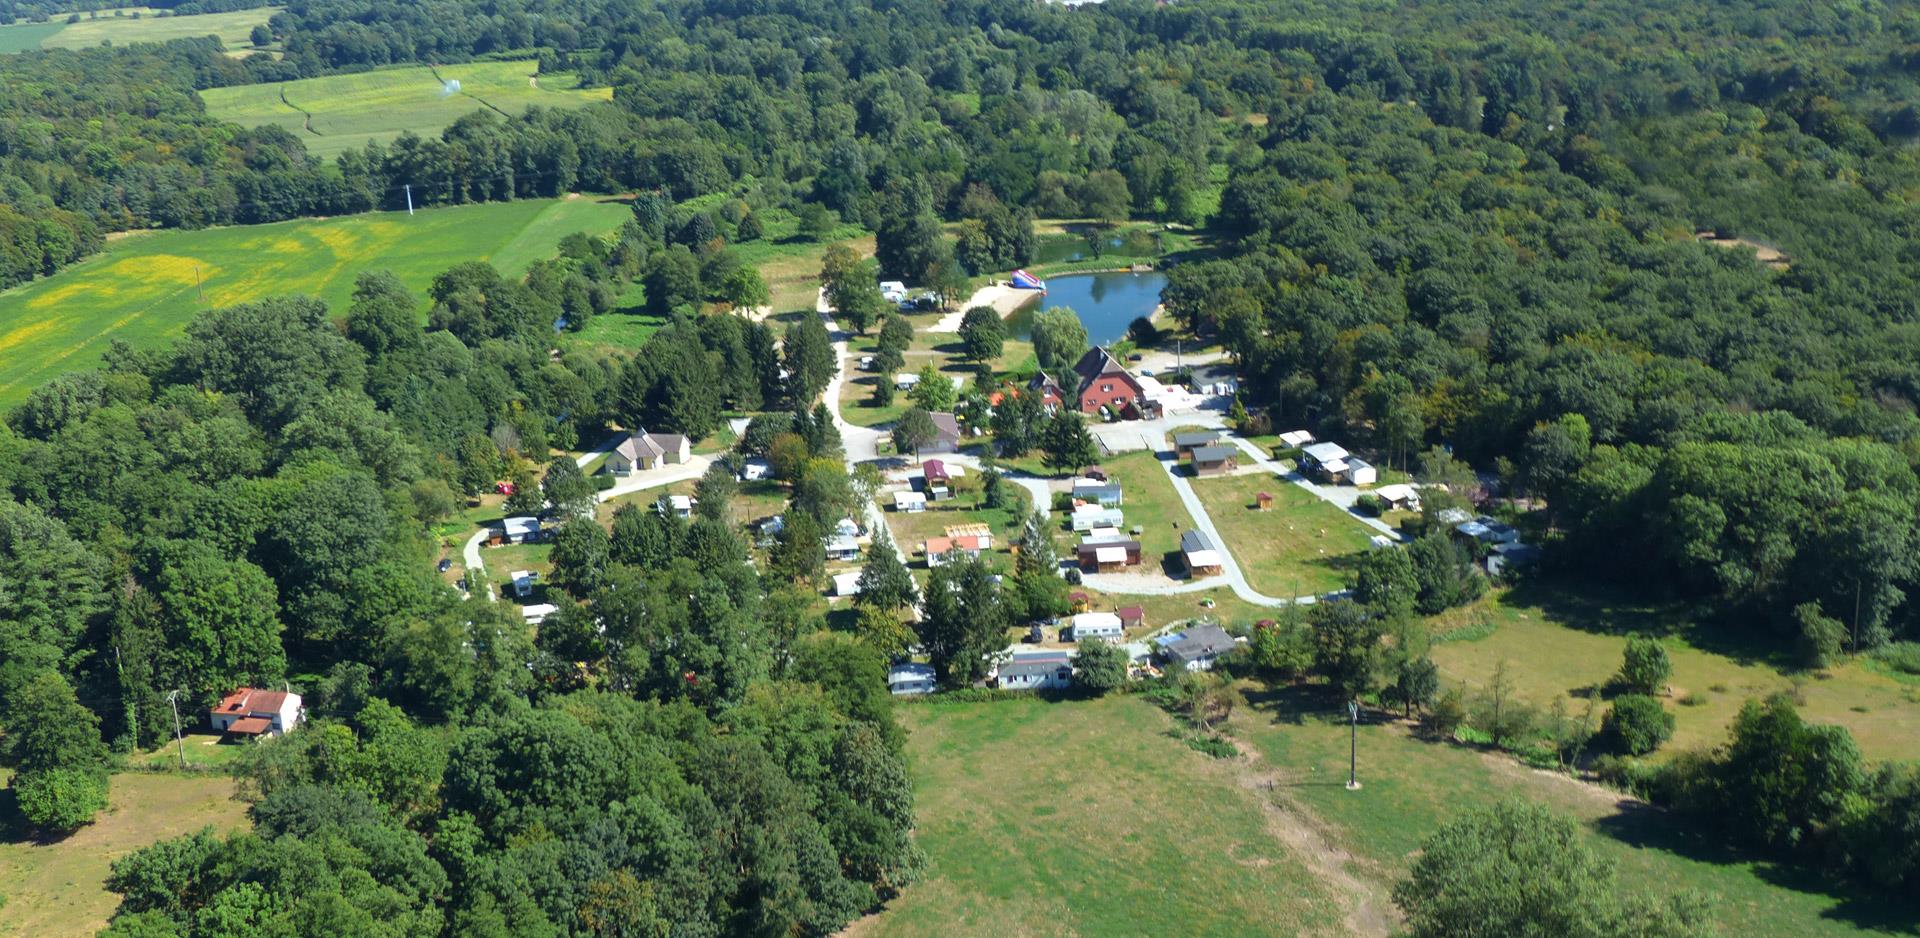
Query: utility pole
x,y
1353,742
409,197
132,702
173,697
199,287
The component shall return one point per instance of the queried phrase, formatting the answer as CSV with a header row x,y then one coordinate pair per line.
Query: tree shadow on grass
x,y
1295,704
1604,610
1648,827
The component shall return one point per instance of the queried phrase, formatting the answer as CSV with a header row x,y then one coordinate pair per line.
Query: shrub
x,y
1818,637
1903,657
1214,746
61,799
1446,716
1645,668
1373,506
1638,724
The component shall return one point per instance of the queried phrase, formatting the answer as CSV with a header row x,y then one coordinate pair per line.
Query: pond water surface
x,y
1106,303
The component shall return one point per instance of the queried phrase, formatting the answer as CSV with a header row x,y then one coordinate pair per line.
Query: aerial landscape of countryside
x,y
959,467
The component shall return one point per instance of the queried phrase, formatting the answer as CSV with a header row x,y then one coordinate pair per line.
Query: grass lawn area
x,y
203,749
20,37
231,27
790,266
1151,503
145,289
625,327
1227,608
1559,638
59,888
910,529
335,113
1412,787
643,499
1303,545
1053,819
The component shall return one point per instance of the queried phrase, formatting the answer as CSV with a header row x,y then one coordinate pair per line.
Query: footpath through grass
x,y
145,289
1088,818
1411,787
335,113
59,888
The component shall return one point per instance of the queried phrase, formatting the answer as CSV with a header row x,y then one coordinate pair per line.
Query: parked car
x,y
446,563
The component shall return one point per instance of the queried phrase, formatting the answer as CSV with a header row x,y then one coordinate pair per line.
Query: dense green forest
x,y
1464,227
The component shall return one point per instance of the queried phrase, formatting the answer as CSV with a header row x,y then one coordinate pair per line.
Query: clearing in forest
x,y
126,29
145,289
59,887
336,113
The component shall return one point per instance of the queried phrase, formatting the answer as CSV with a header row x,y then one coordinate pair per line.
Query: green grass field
x,y
1088,819
59,888
1150,503
347,111
1560,639
143,289
232,28
1411,787
1303,545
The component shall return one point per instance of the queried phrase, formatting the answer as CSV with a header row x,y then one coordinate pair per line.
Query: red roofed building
x,y
1048,390
1131,617
1104,382
253,712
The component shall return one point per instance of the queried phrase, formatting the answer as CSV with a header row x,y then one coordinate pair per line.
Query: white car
x,y
866,363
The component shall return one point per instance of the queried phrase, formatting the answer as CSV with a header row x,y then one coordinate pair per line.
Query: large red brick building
x,y
1104,382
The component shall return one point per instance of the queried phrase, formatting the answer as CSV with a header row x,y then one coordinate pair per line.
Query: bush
x,y
1903,657
1446,717
1214,746
1645,668
1817,637
1373,506
61,799
1638,724
1625,773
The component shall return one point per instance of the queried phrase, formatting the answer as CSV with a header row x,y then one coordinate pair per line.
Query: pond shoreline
x,y
1105,324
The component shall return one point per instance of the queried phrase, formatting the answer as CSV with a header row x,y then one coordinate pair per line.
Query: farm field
x,y
1560,638
348,111
143,289
232,28
1088,818
1302,546
1411,787
60,888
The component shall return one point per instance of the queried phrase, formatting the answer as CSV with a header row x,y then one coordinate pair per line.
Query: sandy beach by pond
x,y
1003,298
